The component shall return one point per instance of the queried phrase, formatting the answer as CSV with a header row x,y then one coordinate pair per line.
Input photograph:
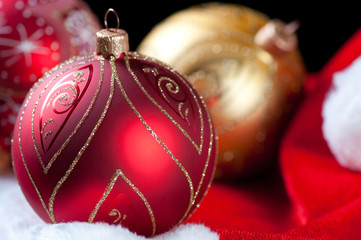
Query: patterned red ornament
x,y
124,140
34,37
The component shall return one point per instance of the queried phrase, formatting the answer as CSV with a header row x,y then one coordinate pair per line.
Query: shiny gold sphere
x,y
250,88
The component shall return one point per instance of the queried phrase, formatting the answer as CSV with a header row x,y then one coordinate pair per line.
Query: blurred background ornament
x,y
34,37
247,68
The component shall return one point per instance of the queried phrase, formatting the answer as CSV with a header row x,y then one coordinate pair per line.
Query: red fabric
x,y
309,195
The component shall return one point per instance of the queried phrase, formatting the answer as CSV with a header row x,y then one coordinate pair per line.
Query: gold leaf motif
x,y
199,146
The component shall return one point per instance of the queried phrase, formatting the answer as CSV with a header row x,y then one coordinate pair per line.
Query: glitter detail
x,y
91,135
138,57
150,211
154,71
56,155
105,195
171,86
48,209
64,96
114,213
209,153
78,76
111,184
186,112
24,162
199,149
155,136
50,120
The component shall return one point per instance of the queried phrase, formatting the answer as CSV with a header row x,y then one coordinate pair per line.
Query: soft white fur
x,y
19,222
342,116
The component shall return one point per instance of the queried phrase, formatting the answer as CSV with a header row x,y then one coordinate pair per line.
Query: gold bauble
x,y
249,74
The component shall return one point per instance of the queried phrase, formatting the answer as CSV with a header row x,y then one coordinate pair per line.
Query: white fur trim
x,y
342,116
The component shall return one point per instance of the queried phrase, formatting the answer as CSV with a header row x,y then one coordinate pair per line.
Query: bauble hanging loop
x,y
112,41
106,18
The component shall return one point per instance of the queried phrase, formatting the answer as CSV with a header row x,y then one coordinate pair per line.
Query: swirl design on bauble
x,y
171,91
62,99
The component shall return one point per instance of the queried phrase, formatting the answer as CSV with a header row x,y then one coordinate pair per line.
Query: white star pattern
x,y
23,47
4,29
34,37
76,23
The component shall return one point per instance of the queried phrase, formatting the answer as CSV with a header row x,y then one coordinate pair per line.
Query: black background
x,y
325,26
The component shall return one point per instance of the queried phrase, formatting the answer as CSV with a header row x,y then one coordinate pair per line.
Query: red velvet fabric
x,y
308,195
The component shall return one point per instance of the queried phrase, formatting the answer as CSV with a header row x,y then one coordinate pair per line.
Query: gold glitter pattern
x,y
64,96
78,76
154,71
209,153
115,212
80,153
49,208
193,194
105,195
172,87
198,148
120,173
150,211
155,136
53,159
23,157
50,120
211,137
186,112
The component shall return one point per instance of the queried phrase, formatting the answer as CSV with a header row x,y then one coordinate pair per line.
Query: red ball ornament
x,y
34,37
118,138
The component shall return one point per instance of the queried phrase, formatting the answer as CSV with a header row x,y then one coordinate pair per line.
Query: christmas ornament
x,y
34,37
341,117
117,137
245,66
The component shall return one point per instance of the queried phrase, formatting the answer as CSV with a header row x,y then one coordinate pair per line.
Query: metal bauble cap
x,y
112,41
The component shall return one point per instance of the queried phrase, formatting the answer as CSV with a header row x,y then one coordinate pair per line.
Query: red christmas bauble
x,y
124,140
34,37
